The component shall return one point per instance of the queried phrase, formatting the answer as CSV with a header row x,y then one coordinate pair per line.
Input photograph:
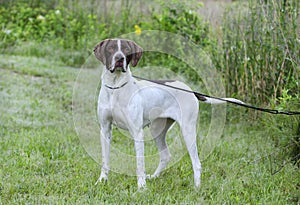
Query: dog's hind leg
x,y
159,128
189,135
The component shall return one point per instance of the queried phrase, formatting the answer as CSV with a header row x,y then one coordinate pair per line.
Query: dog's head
x,y
118,53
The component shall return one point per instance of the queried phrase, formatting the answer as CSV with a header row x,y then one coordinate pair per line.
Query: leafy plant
x,y
178,17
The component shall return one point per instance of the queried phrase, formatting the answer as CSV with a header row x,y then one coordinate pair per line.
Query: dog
x,y
132,104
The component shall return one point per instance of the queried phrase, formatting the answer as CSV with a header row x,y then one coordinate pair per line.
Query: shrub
x,y
179,17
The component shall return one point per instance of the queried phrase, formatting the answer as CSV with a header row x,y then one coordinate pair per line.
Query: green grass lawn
x,y
42,160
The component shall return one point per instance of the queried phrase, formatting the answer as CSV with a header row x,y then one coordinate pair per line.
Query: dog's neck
x,y
116,79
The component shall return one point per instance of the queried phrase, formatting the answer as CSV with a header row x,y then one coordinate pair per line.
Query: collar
x,y
115,88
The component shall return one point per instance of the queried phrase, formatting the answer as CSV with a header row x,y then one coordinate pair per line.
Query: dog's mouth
x,y
119,65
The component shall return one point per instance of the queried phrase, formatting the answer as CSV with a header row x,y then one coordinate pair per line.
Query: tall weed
x,y
260,61
261,50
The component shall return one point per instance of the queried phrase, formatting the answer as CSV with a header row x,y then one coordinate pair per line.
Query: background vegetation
x,y
257,50
256,47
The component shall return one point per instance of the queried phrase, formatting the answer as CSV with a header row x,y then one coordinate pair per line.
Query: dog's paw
x,y
149,176
152,176
101,180
197,182
142,182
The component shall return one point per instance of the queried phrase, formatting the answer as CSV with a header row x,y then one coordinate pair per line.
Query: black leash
x,y
202,97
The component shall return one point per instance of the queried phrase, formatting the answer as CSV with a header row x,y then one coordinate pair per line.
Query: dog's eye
x,y
111,49
127,50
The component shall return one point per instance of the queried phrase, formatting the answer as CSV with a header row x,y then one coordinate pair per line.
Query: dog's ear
x,y
99,51
136,52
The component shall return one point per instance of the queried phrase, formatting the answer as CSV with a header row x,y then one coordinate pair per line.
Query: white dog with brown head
x,y
131,105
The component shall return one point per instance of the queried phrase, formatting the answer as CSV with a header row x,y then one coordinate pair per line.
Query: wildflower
x,y
40,17
138,30
57,12
7,31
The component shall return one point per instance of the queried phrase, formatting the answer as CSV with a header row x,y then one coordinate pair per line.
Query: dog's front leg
x,y
139,149
105,137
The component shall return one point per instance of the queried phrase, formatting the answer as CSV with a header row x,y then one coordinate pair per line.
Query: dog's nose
x,y
119,58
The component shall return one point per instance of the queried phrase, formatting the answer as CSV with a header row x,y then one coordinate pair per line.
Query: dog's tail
x,y
211,100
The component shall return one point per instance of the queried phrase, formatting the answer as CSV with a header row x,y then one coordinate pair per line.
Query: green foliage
x,y
77,29
178,17
20,23
68,29
259,59
288,124
260,48
257,54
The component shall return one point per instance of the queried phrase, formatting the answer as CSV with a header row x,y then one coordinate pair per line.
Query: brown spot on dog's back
x,y
200,97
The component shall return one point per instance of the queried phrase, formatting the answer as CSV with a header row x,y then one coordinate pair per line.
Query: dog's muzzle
x,y
119,62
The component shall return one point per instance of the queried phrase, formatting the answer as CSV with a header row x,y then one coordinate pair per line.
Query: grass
x,y
43,161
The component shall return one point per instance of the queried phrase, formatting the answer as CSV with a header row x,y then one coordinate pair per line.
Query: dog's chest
x,y
112,105
119,115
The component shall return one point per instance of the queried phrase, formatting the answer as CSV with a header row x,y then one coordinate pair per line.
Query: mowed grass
x,y
43,162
